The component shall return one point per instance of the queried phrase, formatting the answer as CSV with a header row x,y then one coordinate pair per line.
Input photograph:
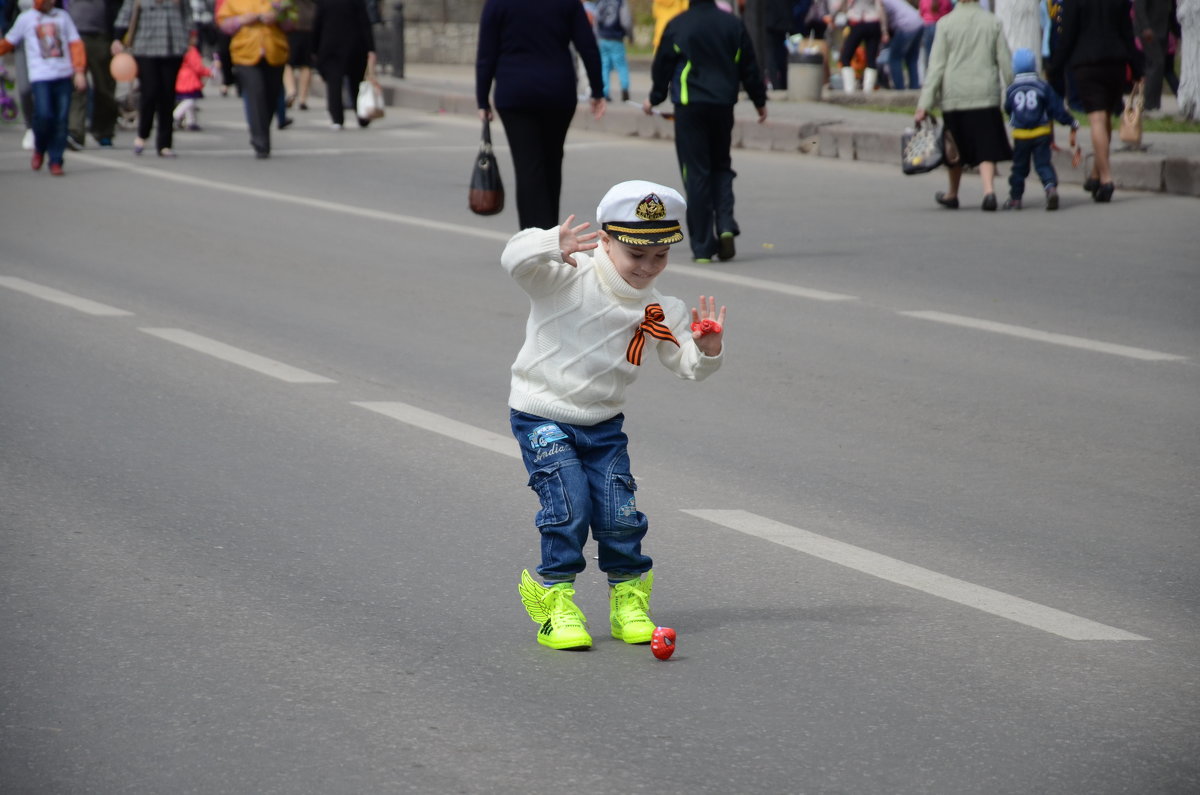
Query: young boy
x,y
1031,103
592,316
55,54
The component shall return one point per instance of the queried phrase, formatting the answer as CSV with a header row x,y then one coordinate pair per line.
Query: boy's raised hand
x,y
710,343
570,239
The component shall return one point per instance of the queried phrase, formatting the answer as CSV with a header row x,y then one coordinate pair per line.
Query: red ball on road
x,y
662,643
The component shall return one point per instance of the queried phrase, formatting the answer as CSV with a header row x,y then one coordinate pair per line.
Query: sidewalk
x,y
1171,162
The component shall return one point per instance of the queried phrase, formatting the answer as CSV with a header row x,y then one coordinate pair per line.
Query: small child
x,y
613,24
591,318
1031,104
57,63
189,87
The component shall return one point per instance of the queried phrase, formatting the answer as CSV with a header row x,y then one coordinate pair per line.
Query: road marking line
x,y
242,358
84,305
761,284
1046,336
701,273
427,420
303,201
997,603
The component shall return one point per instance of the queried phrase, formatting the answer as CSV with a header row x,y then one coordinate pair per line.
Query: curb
x,y
833,139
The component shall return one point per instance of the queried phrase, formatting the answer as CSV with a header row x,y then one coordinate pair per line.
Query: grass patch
x,y
1168,125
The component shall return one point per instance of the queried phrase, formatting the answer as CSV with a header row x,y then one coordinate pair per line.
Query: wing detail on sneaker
x,y
532,593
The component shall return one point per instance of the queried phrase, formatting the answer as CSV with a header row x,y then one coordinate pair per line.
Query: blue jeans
x,y
905,51
1039,149
51,110
581,476
612,56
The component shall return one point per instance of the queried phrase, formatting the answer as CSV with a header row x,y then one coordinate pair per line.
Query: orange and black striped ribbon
x,y
652,325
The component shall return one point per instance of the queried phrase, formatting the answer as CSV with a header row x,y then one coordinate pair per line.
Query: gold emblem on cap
x,y
651,208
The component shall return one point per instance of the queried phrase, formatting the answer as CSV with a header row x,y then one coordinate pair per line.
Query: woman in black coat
x,y
345,48
1096,44
524,48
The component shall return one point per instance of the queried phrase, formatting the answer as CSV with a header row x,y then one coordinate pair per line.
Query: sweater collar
x,y
613,281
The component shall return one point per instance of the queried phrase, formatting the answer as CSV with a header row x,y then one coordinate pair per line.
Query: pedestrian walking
x,y
968,65
189,88
345,48
704,56
56,60
258,48
160,38
1097,47
1152,23
1032,107
297,77
525,50
613,25
92,19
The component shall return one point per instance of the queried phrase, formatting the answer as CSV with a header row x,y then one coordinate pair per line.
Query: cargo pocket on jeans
x,y
548,485
624,500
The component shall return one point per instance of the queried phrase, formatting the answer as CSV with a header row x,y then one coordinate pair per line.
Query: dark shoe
x,y
1091,184
1011,204
105,142
37,160
624,95
950,203
989,203
56,169
261,155
288,121
725,247
363,122
303,106
1052,198
74,144
1104,192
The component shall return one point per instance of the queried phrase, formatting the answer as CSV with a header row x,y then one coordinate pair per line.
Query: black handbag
x,y
486,196
922,150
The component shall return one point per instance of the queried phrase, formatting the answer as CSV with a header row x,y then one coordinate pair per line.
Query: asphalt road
x,y
932,528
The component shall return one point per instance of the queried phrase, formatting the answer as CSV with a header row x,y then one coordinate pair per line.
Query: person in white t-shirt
x,y
56,61
594,310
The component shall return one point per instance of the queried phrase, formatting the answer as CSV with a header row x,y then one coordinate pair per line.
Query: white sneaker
x,y
27,141
332,127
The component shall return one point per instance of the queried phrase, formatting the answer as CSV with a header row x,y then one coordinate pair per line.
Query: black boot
x,y
624,95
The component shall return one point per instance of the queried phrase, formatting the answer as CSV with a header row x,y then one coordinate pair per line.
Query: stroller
x,y
127,107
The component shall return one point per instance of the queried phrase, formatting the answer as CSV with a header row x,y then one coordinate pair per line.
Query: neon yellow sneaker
x,y
629,610
563,624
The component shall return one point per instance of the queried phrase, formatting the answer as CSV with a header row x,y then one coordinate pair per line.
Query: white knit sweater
x,y
572,367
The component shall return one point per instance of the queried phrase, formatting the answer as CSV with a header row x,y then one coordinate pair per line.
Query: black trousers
x,y
702,140
262,85
336,72
536,138
156,102
869,34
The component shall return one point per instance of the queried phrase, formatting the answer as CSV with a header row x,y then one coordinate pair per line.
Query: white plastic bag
x,y
370,101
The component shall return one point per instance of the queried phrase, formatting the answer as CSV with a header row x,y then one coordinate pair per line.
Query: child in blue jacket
x,y
1031,104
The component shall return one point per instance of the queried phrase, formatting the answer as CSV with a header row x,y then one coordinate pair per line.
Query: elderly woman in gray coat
x,y
968,68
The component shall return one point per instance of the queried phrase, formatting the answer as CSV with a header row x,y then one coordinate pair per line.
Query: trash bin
x,y
806,76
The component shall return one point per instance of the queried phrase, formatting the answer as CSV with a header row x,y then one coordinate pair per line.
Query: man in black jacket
x,y
704,56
